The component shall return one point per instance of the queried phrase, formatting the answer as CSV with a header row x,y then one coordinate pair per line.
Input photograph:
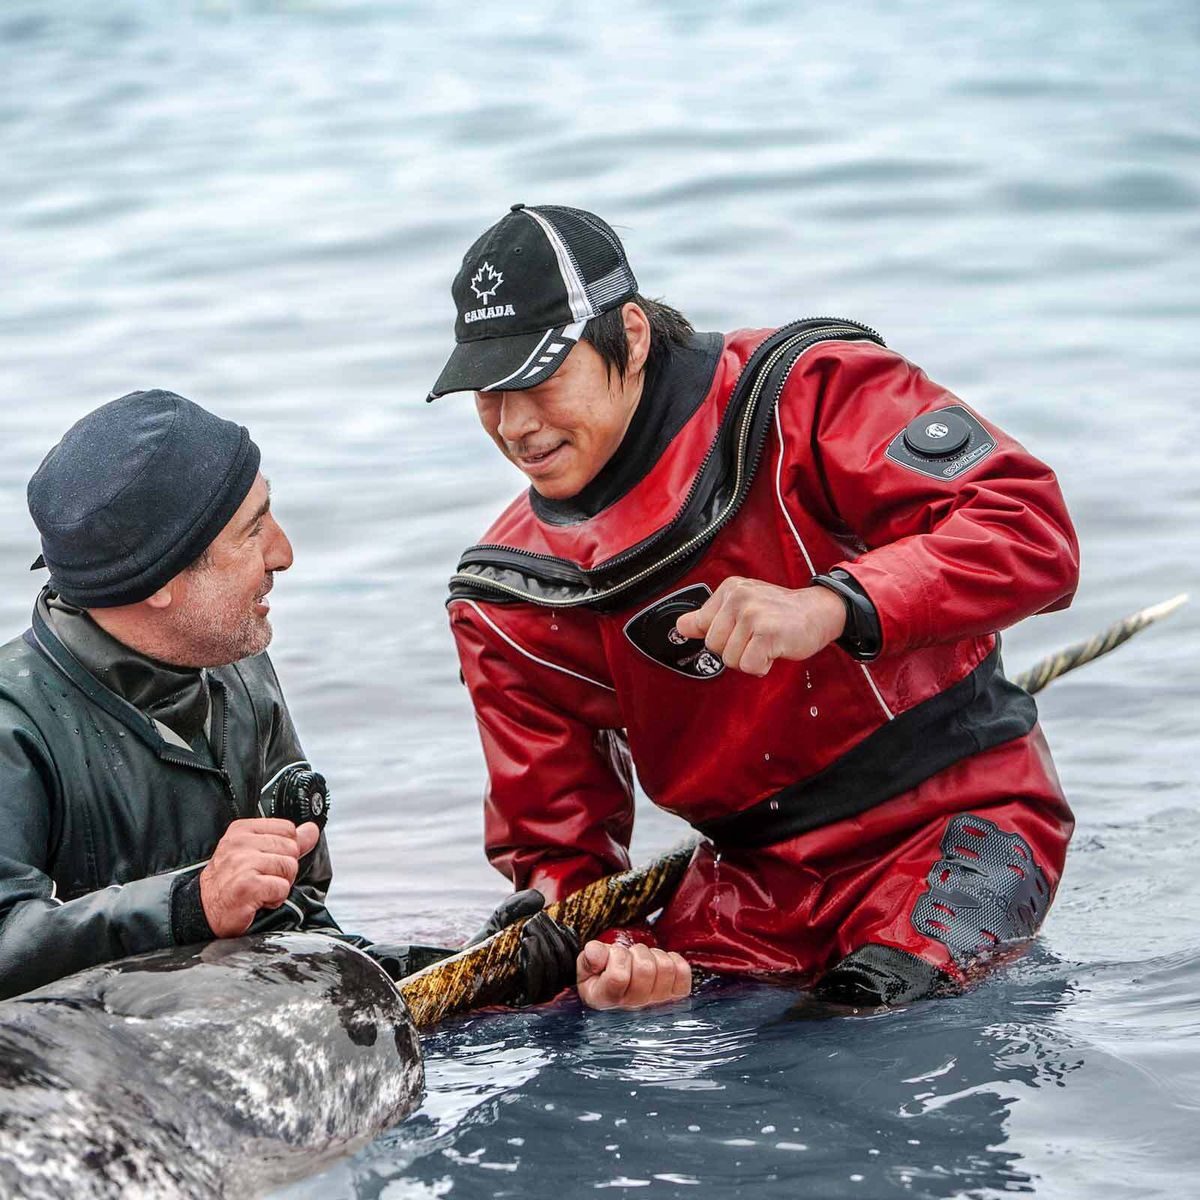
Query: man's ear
x,y
637,334
161,599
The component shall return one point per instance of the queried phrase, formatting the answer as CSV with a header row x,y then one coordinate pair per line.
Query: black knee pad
x,y
984,891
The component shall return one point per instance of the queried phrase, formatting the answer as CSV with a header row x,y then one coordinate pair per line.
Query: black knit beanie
x,y
136,491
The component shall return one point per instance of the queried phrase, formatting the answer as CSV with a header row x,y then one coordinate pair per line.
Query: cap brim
x,y
507,364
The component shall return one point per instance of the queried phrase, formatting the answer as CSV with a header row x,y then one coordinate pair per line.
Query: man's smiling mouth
x,y
540,458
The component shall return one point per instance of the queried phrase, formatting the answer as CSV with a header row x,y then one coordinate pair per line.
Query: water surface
x,y
260,205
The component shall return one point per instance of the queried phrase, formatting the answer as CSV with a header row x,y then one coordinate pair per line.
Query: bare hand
x,y
750,623
630,976
253,867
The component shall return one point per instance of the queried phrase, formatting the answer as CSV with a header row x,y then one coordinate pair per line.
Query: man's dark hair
x,y
668,328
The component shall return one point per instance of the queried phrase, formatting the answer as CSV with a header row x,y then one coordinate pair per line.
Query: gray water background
x,y
260,205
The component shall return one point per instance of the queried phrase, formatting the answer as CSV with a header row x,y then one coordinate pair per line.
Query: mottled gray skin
x,y
228,1068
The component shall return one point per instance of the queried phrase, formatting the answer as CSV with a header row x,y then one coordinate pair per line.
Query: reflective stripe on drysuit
x,y
561,694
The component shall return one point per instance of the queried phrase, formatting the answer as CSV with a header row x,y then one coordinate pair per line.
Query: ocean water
x,y
260,204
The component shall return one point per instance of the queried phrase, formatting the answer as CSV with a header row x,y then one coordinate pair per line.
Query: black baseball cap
x,y
524,292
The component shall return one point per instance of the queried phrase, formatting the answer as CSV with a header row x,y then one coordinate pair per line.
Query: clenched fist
x,y
253,867
630,976
750,623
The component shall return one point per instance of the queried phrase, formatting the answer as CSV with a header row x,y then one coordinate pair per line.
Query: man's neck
x,y
663,406
175,696
131,631
632,391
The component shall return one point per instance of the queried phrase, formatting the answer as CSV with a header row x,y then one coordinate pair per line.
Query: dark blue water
x,y
1045,1080
260,204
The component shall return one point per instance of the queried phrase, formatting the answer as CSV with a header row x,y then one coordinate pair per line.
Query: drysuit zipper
x,y
555,570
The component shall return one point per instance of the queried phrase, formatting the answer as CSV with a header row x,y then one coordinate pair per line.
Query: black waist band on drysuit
x,y
981,711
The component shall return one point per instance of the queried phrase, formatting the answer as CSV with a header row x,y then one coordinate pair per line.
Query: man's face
x,y
219,608
562,432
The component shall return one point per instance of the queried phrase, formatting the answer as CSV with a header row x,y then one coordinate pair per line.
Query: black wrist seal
x,y
863,638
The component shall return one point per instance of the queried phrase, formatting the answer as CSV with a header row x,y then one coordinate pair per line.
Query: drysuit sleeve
x,y
558,811
41,937
952,546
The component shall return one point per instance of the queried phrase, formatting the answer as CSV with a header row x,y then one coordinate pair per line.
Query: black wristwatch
x,y
863,638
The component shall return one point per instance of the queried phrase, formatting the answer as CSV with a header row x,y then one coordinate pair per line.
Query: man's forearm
x,y
42,939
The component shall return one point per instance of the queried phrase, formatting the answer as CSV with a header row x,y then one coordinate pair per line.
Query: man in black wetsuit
x,y
143,732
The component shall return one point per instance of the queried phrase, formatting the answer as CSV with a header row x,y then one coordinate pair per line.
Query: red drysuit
x,y
827,790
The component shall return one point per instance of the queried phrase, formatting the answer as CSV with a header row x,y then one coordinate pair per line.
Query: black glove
x,y
401,960
548,949
511,908
548,954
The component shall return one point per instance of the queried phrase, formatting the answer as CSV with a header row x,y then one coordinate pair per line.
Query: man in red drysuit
x,y
769,567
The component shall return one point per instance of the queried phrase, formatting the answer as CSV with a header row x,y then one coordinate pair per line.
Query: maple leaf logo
x,y
485,281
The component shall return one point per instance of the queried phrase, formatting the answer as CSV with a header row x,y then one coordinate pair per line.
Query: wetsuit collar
x,y
177,697
667,403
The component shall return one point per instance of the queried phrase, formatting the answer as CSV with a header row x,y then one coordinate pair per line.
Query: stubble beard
x,y
216,629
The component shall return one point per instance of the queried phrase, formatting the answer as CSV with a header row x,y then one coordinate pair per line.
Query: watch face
x,y
653,632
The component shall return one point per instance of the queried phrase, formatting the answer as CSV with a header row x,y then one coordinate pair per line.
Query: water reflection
x,y
732,1092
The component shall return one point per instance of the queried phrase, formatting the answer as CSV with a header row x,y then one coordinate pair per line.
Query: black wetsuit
x,y
118,776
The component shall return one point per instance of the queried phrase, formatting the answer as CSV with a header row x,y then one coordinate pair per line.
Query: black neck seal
x,y
507,574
